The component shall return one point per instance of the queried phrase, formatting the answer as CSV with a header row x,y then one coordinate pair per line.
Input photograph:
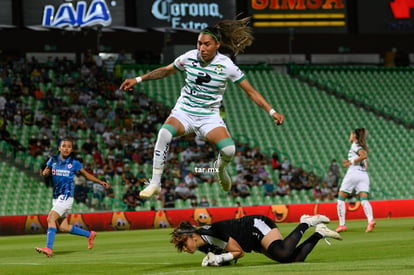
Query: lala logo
x,y
402,8
66,16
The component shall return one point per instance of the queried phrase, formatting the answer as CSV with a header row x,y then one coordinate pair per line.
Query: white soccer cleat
x,y
150,190
223,177
314,220
327,233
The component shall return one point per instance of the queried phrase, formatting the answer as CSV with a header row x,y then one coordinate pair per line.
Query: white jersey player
x,y
356,178
197,109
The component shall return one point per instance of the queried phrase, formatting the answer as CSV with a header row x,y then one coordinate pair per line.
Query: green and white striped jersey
x,y
353,154
205,84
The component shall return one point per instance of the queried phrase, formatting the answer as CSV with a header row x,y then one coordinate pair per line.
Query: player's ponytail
x,y
361,136
235,35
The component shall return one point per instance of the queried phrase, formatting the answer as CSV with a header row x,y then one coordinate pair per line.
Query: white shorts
x,y
198,124
62,206
355,180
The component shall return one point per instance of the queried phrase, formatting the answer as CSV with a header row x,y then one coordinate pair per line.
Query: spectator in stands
x,y
128,178
98,159
317,193
88,146
283,189
203,96
28,117
275,161
108,166
331,179
269,188
130,199
36,149
327,192
182,192
243,190
168,198
204,202
334,167
3,102
81,190
191,181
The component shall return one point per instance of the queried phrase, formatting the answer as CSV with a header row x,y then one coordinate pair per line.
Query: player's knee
x,y
165,135
278,252
227,147
228,151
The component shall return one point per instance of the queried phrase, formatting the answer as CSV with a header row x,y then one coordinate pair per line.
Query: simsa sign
x,y
183,14
302,15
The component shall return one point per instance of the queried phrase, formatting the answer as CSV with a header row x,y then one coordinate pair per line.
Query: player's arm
x,y
94,179
153,75
46,171
257,98
362,155
234,251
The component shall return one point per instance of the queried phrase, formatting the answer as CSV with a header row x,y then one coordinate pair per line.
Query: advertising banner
x,y
74,14
300,15
386,16
183,14
165,218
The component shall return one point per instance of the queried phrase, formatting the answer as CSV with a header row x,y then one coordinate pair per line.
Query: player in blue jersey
x,y
63,168
226,241
197,109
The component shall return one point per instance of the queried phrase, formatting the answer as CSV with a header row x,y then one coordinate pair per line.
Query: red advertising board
x,y
114,221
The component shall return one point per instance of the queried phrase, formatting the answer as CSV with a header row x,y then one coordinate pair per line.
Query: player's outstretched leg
x,y
165,135
314,220
326,232
227,151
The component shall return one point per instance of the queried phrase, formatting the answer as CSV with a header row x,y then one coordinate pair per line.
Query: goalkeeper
x,y
226,241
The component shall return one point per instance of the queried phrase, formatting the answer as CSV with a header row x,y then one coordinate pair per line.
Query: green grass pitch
x,y
387,250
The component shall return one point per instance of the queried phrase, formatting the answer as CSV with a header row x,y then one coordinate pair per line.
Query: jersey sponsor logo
x,y
61,173
202,78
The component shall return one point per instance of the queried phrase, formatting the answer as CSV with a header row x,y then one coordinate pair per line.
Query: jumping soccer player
x,y
356,178
197,109
226,241
63,168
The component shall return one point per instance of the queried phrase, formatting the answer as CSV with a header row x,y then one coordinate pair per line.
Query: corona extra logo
x,y
66,16
401,9
176,13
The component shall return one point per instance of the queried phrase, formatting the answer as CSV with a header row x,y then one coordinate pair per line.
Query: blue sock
x,y
79,231
51,233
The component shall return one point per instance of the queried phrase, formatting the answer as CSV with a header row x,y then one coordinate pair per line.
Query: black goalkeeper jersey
x,y
248,231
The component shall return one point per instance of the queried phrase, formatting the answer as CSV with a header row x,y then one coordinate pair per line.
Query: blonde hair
x,y
235,35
